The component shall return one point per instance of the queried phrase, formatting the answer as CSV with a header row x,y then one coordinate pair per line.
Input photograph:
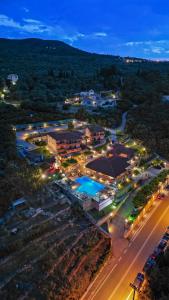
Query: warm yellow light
x,y
43,176
26,135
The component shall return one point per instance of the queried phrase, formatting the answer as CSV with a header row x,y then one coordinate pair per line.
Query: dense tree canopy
x,y
157,285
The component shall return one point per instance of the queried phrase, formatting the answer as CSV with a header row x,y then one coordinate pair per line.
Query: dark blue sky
x,y
124,27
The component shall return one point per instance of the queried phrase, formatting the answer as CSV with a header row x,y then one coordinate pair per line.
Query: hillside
x,y
49,67
49,71
39,46
55,254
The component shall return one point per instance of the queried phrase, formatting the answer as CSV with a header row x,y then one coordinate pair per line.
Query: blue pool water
x,y
89,186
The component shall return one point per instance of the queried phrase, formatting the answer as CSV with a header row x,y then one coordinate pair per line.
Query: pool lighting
x,y
74,187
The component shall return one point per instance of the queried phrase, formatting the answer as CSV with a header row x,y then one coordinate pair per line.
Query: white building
x,y
13,78
165,98
87,93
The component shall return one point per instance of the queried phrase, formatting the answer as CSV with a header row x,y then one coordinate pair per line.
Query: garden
x,y
146,191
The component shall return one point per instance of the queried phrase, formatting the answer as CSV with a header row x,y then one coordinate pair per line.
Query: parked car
x,y
167,231
157,252
162,245
160,196
166,237
149,264
138,282
167,188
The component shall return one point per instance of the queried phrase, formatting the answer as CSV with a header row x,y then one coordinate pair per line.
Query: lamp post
x,y
134,293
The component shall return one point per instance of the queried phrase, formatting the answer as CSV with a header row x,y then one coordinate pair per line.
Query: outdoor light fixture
x,y
43,176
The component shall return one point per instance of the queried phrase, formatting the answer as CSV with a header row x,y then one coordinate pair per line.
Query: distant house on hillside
x,y
165,98
91,99
87,93
89,102
13,78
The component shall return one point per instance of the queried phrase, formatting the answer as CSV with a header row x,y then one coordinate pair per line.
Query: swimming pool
x,y
89,186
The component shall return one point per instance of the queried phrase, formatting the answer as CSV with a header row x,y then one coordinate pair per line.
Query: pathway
x,y
120,128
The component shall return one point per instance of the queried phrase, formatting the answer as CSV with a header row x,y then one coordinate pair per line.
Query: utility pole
x,y
134,293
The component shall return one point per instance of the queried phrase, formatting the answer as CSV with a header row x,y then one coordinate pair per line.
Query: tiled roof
x,y
115,163
66,135
112,166
95,128
119,149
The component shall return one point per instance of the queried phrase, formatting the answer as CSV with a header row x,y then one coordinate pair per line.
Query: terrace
x,y
92,193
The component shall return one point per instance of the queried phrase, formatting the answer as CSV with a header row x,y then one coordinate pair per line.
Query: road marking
x,y
138,253
144,222
100,286
120,258
125,250
129,295
93,294
95,279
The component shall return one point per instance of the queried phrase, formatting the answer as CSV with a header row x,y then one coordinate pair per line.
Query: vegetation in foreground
x,y
157,284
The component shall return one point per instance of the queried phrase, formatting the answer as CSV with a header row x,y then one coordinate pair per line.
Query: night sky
x,y
122,27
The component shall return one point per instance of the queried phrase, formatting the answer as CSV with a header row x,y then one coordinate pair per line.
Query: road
x,y
113,281
120,128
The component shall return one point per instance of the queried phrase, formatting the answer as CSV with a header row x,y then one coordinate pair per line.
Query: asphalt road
x,y
113,283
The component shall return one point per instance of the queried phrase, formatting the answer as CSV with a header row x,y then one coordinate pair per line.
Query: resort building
x,y
94,134
113,166
64,143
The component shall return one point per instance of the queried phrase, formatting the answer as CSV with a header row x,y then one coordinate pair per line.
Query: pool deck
x,y
89,186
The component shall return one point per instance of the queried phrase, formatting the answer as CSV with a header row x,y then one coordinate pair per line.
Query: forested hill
x,y
51,70
39,55
38,46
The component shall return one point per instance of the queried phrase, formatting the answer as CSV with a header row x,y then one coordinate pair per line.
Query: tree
x,y
70,126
